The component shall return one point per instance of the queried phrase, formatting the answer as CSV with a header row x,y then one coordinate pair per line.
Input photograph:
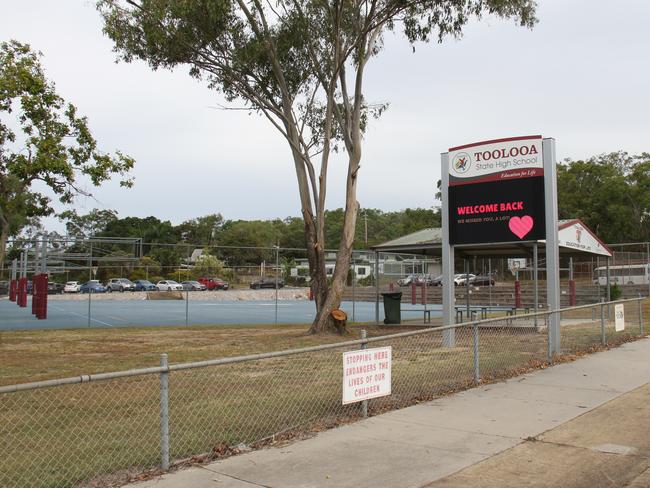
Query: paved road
x,y
63,314
581,424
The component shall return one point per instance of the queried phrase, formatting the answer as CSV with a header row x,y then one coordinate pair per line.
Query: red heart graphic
x,y
521,226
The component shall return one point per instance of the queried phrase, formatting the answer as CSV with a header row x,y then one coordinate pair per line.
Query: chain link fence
x,y
93,430
250,274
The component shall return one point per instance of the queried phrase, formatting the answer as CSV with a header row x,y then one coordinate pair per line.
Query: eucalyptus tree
x,y
45,146
301,64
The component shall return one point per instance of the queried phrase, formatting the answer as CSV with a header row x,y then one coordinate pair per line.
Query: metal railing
x,y
106,427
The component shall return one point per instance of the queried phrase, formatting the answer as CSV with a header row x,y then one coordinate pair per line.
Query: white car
x,y
461,279
169,285
72,287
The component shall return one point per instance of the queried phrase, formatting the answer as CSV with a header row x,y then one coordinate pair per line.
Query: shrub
x,y
367,281
615,292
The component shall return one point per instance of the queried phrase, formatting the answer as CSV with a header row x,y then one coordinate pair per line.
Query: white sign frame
x,y
499,159
367,369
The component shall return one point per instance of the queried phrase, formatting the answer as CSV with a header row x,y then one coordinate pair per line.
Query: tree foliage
x,y
207,265
89,224
201,230
42,140
301,64
610,193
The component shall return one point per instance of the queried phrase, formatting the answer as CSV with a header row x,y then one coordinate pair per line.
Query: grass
x,y
44,354
59,437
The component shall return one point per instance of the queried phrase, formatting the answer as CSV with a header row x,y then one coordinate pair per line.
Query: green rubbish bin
x,y
392,307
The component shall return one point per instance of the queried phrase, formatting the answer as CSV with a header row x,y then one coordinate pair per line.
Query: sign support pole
x,y
448,335
609,290
552,250
535,280
467,305
376,287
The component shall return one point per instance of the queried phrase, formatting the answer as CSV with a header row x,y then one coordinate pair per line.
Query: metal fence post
x,y
549,345
187,307
354,298
90,277
164,413
640,315
477,372
364,403
593,314
603,339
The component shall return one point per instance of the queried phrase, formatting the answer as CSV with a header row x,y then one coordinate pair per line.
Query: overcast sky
x,y
581,76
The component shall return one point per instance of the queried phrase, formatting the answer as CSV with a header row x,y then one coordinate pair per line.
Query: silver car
x,y
120,284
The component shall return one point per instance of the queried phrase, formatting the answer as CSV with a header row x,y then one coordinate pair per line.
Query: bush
x,y
367,281
155,279
296,281
615,292
207,266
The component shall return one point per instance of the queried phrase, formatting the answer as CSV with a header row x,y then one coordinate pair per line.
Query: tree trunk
x,y
4,236
332,298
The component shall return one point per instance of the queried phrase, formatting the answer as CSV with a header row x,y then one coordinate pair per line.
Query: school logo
x,y
578,233
461,163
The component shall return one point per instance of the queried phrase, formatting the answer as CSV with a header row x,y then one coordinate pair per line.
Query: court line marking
x,y
82,316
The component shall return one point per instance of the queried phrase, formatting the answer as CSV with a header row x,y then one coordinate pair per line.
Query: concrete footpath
x,y
579,424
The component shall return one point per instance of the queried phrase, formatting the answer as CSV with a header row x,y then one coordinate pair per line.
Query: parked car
x,y
193,286
437,281
461,279
267,283
144,285
422,279
93,286
407,280
54,288
214,283
482,280
72,287
417,279
169,285
120,284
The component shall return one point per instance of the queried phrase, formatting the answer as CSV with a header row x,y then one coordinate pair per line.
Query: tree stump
x,y
340,318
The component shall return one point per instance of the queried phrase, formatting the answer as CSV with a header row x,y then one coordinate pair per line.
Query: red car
x,y
214,283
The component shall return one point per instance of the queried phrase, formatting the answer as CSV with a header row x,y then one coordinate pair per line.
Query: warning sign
x,y
619,314
366,374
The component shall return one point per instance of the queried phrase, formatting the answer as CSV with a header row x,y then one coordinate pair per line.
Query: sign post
x,y
552,248
500,191
448,335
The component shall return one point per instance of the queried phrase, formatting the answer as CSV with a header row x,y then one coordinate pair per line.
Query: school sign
x,y
500,192
496,191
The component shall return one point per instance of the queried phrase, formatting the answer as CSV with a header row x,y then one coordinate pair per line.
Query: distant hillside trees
x,y
610,193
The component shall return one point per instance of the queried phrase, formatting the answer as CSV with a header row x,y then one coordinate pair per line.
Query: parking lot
x,y
126,312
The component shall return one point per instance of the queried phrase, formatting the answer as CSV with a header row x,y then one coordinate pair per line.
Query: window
x,y
361,271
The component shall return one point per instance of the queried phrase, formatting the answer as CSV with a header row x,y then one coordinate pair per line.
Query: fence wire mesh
x,y
509,346
57,437
84,434
588,328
